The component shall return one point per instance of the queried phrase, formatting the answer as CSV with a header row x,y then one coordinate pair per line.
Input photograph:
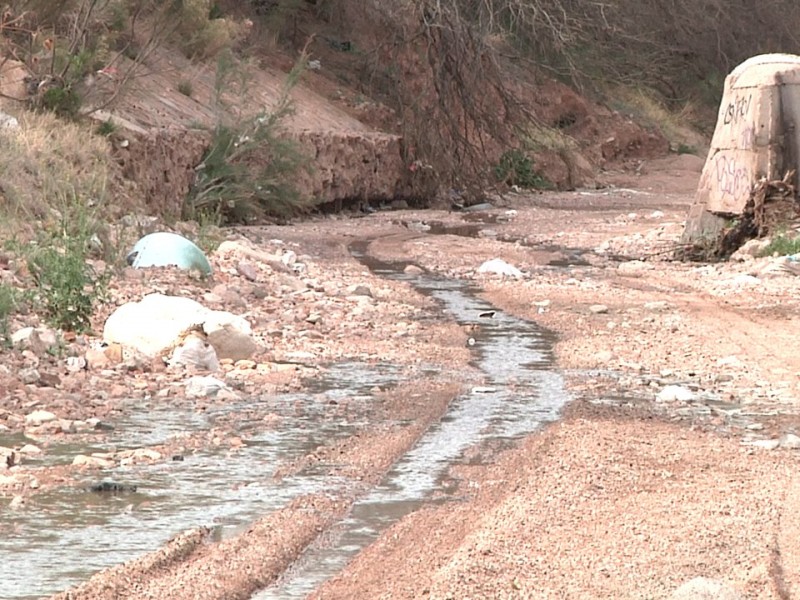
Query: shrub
x,y
516,168
250,166
66,284
9,298
782,245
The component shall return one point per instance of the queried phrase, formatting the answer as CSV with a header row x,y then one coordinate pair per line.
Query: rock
x,y
38,417
8,457
30,449
165,249
765,444
29,376
702,588
202,387
8,122
675,393
196,352
92,461
289,258
744,280
413,270
247,270
634,267
16,503
497,266
27,338
157,323
359,290
111,487
657,306
75,364
8,480
750,250
230,342
790,441
598,309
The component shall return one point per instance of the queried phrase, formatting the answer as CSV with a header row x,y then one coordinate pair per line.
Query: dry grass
x,y
45,163
644,106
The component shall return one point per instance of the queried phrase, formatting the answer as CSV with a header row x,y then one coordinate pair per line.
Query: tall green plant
x,y
250,166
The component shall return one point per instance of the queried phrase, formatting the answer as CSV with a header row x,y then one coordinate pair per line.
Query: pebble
x,y
598,309
675,393
81,460
38,417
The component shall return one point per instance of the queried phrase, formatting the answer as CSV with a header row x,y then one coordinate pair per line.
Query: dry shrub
x,y
46,161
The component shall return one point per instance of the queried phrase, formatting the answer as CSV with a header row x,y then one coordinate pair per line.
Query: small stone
x,y
359,290
30,376
81,460
8,480
247,270
38,417
634,267
75,364
703,588
413,270
598,309
314,318
16,503
658,306
765,444
675,393
146,454
202,387
790,441
30,449
542,303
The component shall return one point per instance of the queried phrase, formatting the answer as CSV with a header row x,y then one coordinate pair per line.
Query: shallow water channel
x,y
64,537
521,391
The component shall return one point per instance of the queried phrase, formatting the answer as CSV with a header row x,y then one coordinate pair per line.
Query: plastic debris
x,y
164,249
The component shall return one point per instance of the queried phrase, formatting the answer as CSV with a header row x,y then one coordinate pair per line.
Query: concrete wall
x,y
755,137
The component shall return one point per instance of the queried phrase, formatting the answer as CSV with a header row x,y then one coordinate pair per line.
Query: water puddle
x,y
519,394
64,536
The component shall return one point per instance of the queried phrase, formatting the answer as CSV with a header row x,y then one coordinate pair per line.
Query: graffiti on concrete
x,y
747,137
733,179
737,109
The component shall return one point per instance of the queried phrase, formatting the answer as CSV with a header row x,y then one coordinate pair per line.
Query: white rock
x,y
157,322
657,306
202,387
30,449
750,250
598,309
790,440
75,364
675,393
765,444
38,417
634,267
196,352
92,461
744,280
497,266
8,122
702,588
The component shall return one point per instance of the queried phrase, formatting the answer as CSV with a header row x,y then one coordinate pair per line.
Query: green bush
x,y
516,168
250,167
9,298
782,245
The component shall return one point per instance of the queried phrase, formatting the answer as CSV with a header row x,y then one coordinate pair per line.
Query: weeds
x,y
67,286
185,87
782,245
516,168
106,128
9,299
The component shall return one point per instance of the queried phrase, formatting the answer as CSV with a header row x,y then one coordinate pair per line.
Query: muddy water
x,y
64,537
520,391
